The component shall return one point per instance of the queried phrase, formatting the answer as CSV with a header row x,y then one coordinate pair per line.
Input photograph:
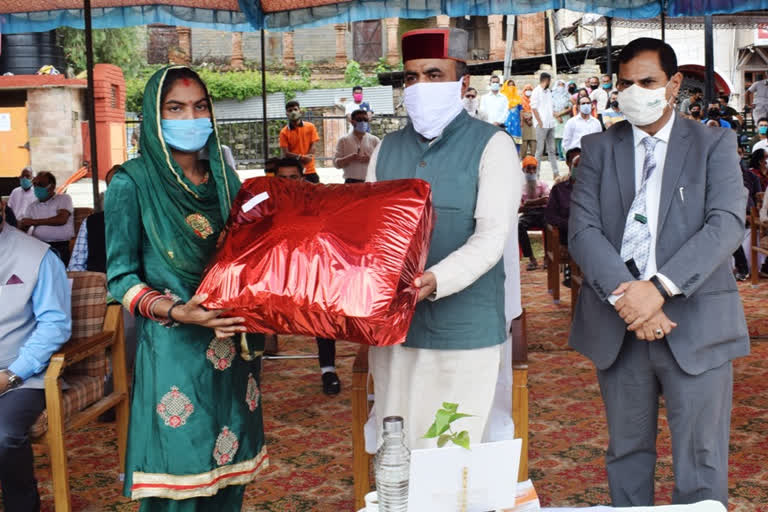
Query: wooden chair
x,y
577,281
83,361
362,383
555,254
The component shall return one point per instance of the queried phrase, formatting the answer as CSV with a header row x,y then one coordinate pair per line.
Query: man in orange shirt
x,y
297,140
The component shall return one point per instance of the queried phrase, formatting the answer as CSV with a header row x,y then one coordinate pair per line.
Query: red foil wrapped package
x,y
334,261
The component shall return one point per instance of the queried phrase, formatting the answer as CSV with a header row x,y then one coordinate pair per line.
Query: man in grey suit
x,y
657,210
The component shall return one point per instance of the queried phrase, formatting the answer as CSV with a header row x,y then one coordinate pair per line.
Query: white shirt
x,y
576,128
541,100
760,92
48,209
600,96
495,106
350,145
20,200
499,186
761,144
652,196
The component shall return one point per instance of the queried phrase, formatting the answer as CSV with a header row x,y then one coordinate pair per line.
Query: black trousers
x,y
741,261
62,251
326,352
312,178
19,409
353,180
529,220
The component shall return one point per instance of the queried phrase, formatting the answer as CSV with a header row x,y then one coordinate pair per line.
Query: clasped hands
x,y
640,307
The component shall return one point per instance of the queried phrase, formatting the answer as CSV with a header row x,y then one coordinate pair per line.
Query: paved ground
x,y
82,195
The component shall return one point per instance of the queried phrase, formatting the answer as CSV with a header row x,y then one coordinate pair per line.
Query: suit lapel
x,y
624,156
677,150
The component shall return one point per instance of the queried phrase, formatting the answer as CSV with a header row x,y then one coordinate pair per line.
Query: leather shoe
x,y
331,383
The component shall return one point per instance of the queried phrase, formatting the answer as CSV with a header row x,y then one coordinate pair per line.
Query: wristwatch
x,y
14,380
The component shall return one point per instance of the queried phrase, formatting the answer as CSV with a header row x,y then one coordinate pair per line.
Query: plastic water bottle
x,y
392,466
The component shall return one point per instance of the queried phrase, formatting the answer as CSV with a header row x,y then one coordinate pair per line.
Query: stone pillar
x,y
237,60
496,50
393,54
184,55
341,47
289,58
443,21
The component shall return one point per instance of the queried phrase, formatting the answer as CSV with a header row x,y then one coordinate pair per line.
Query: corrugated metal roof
x,y
379,97
250,108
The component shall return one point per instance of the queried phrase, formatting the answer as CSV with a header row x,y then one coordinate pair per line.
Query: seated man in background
x,y
35,321
354,150
760,141
612,114
290,168
533,203
51,216
90,252
23,195
559,205
713,114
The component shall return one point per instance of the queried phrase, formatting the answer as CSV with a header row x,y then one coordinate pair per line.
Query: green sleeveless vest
x,y
474,317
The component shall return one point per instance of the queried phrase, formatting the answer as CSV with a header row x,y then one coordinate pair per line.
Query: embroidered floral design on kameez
x,y
200,225
226,447
175,408
221,352
252,393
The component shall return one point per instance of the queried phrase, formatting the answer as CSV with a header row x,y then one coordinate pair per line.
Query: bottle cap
x,y
393,424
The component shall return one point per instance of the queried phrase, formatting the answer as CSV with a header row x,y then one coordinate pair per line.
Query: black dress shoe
x,y
331,383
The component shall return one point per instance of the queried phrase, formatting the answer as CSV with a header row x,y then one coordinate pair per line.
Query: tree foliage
x,y
118,46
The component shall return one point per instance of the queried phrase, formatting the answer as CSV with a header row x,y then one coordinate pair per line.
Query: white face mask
x,y
585,108
470,105
528,93
432,106
641,106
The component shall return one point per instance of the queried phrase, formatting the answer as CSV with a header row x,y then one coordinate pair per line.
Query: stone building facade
x,y
335,45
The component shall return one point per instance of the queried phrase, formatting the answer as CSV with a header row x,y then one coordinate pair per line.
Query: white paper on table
x,y
437,474
702,506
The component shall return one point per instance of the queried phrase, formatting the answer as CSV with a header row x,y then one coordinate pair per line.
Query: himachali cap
x,y
435,43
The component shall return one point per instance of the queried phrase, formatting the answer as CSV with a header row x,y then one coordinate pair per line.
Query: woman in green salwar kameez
x,y
196,433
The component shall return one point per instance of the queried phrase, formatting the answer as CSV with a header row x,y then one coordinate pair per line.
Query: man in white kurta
x,y
447,357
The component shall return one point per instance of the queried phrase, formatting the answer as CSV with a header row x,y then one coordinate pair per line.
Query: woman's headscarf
x,y
510,91
181,220
525,101
560,98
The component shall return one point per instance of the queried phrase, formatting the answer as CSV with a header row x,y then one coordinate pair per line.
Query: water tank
x,y
24,54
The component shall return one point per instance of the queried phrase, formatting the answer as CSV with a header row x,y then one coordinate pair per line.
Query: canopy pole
x,y
663,24
609,47
265,139
91,104
552,48
509,46
709,60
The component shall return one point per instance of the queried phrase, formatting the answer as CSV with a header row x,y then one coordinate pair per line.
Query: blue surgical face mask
x,y
187,135
762,130
41,193
361,126
530,177
26,183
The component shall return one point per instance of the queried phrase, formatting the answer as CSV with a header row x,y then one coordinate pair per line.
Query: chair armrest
x,y
519,334
73,352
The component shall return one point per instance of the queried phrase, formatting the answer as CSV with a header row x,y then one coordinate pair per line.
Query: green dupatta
x,y
181,220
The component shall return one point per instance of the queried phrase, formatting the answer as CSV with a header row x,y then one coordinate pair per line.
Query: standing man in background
x,y
353,151
298,139
544,122
23,195
453,347
657,210
494,104
757,98
580,125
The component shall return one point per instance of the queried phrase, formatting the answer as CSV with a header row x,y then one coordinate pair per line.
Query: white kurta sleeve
x,y
500,183
370,176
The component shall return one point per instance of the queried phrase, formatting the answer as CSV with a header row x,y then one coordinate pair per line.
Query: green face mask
x,y
294,115
41,193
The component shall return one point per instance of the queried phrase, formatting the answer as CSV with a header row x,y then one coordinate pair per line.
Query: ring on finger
x,y
659,333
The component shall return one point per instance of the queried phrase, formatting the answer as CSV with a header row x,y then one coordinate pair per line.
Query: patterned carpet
x,y
309,438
